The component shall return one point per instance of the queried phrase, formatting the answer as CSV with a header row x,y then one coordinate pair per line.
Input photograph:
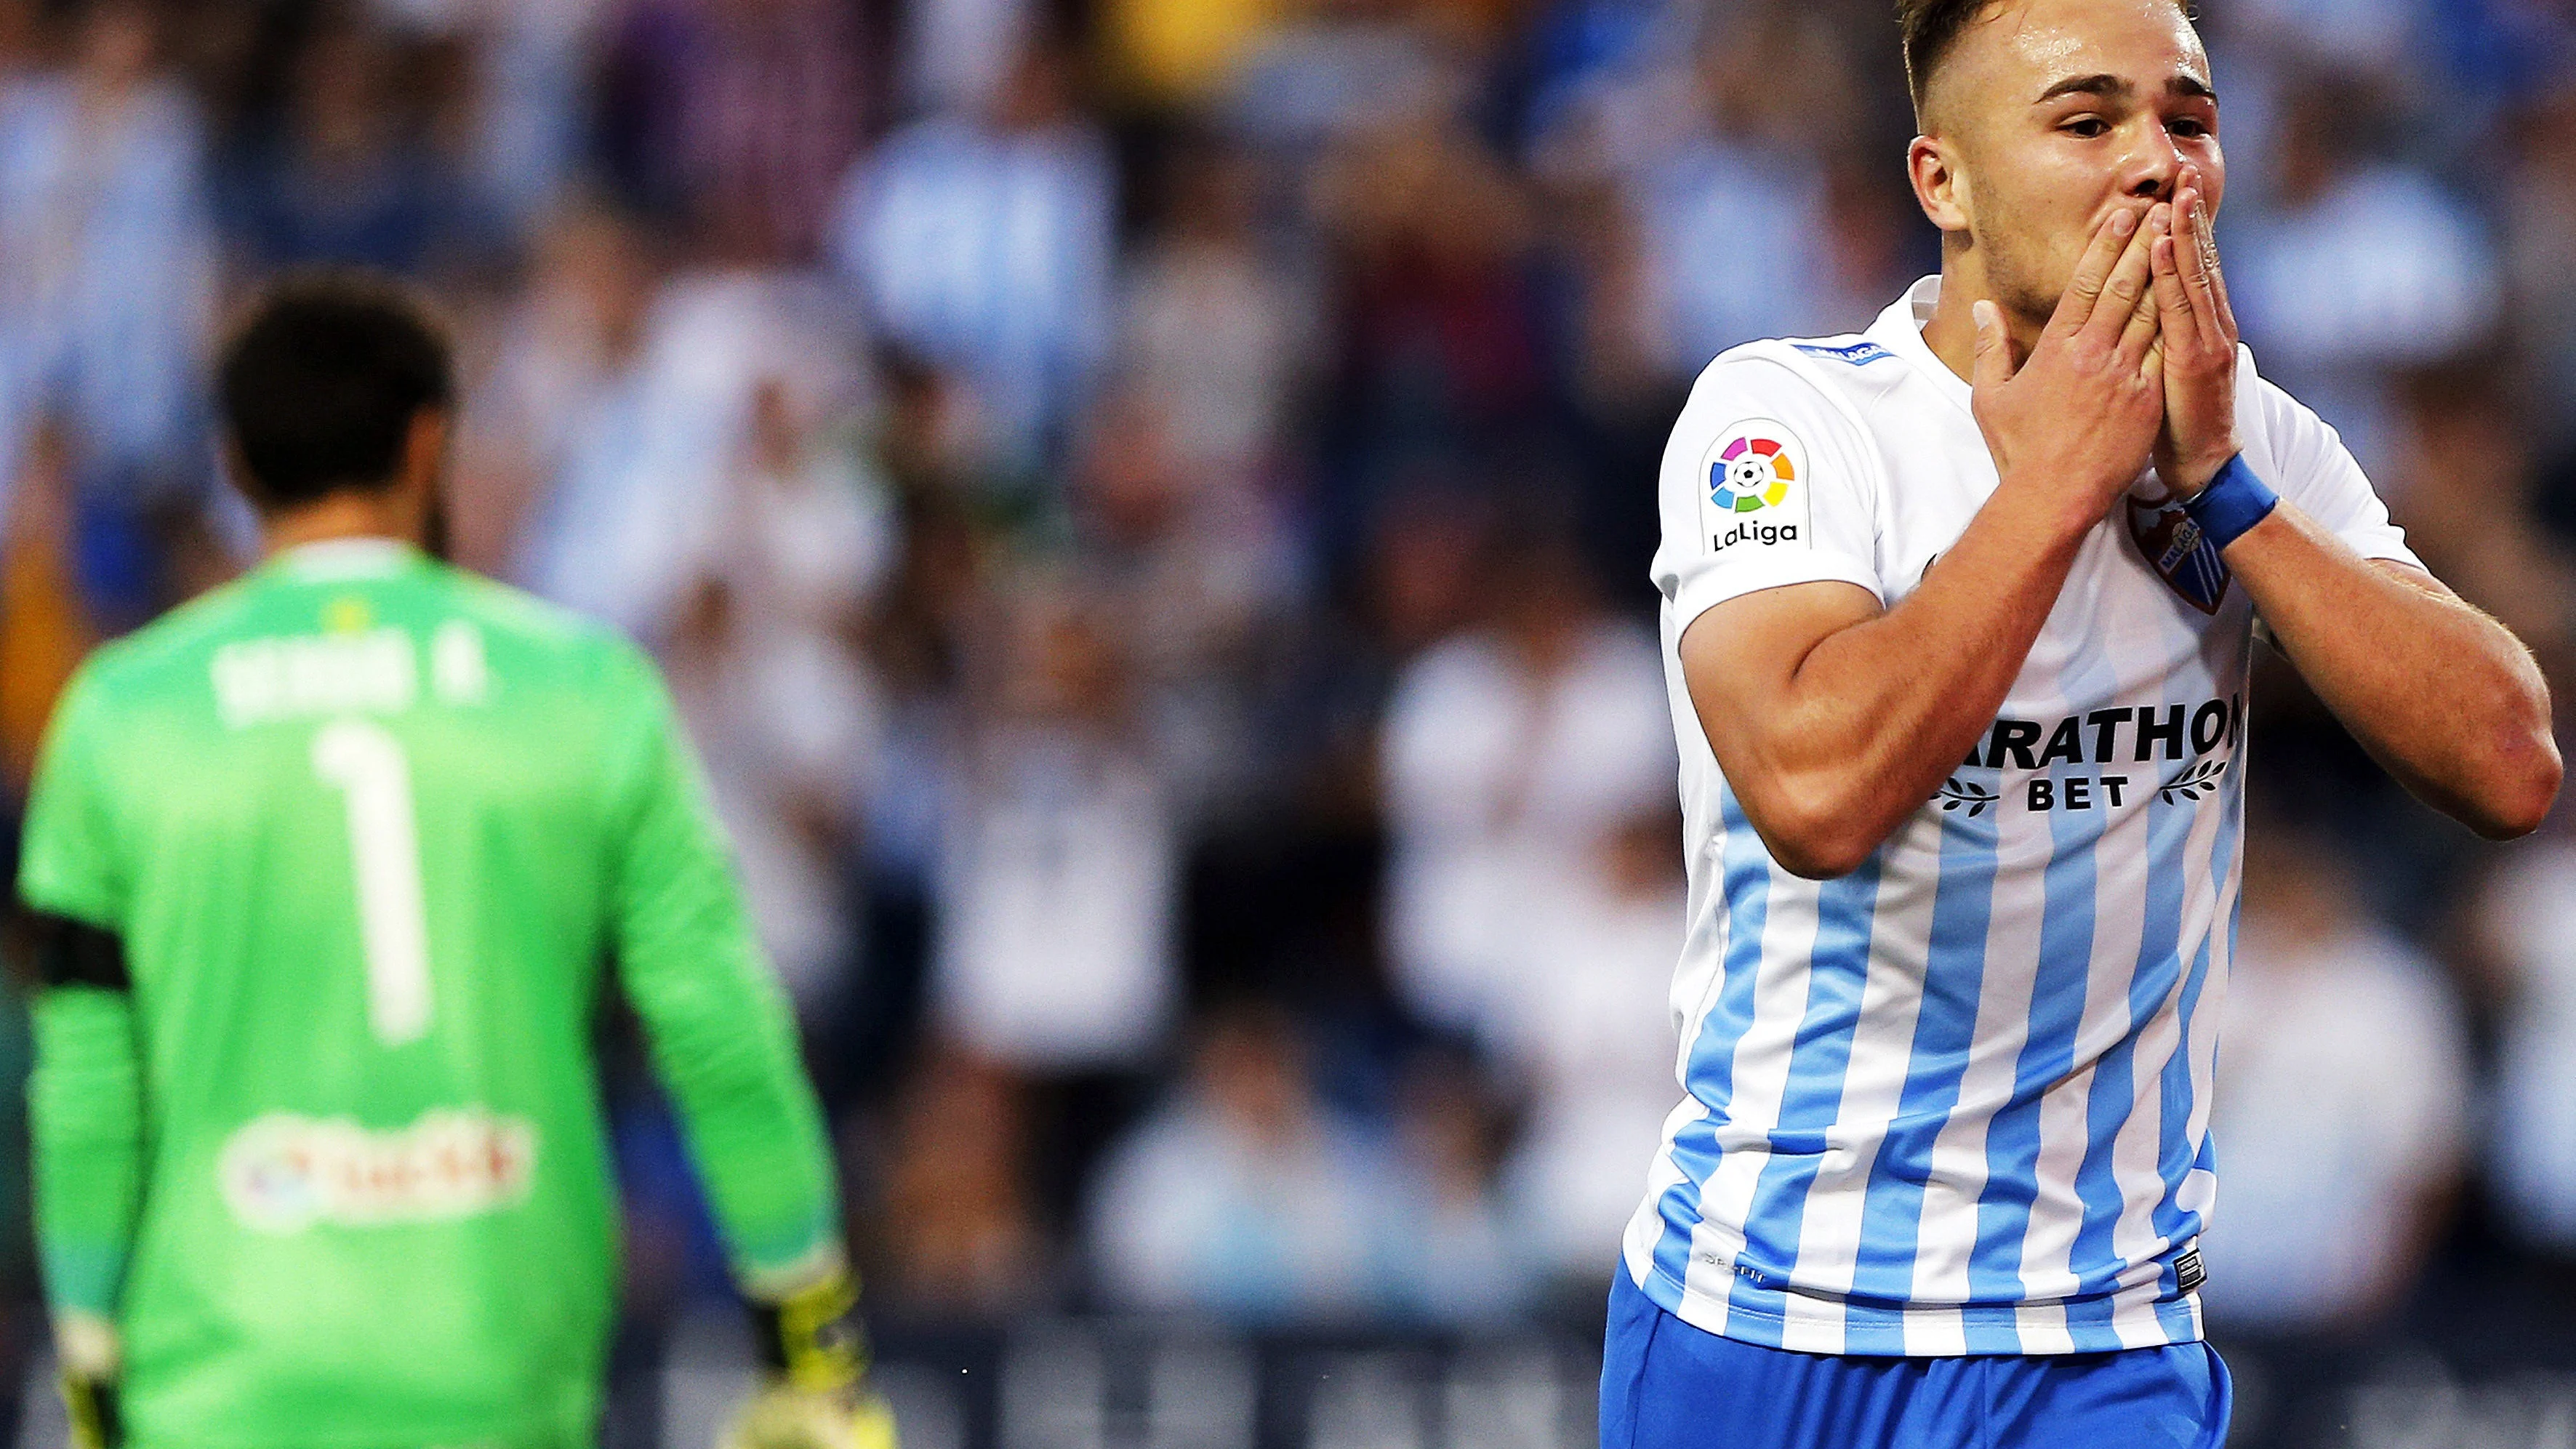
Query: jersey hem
x,y
1710,1314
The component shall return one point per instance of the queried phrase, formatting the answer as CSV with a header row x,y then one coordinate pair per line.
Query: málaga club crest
x,y
2178,551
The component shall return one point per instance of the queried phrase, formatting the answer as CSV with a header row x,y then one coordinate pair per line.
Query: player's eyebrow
x,y
2109,86
2101,84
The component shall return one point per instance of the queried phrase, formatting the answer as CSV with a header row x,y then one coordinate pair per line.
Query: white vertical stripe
x,y
1957,1179
1761,1079
2137,1150
2133,1306
1891,1001
2065,1115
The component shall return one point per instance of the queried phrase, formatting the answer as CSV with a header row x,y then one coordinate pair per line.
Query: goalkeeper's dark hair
x,y
322,381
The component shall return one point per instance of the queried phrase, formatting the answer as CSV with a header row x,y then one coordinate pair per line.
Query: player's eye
x,y
2190,128
2087,127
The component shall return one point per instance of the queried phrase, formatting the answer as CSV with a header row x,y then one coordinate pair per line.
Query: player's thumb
x,y
1993,363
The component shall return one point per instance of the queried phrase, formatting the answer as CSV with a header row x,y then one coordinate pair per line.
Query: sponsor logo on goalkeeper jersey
x,y
284,1173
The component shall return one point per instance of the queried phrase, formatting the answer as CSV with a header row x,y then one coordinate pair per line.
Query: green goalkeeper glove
x,y
817,1395
87,1346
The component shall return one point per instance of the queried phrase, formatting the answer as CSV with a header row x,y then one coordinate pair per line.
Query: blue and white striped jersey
x,y
1957,1101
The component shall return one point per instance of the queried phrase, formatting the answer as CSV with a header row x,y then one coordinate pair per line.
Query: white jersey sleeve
x,y
2305,461
1769,480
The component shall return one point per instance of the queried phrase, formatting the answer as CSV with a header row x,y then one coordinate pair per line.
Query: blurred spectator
x,y
1172,54
2540,257
1192,563
1737,214
960,1237
1060,870
2342,1109
2358,266
1215,331
531,74
2460,458
2342,1105
1337,69
739,116
985,243
1454,1258
1442,367
1244,1196
765,676
579,322
349,175
42,632
635,403
2530,916
1511,753
106,289
1594,1034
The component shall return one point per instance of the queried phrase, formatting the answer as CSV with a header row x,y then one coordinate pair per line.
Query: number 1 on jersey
x,y
368,765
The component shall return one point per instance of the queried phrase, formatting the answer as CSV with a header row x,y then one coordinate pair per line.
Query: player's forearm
x,y
85,1120
1877,715
2440,693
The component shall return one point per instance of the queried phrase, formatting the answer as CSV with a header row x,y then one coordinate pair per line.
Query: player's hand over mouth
x,y
2197,340
2073,423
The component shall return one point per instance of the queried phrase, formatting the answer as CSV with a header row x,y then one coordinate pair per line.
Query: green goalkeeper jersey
x,y
376,835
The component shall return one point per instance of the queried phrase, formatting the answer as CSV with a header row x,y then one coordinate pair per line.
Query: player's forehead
x,y
2024,51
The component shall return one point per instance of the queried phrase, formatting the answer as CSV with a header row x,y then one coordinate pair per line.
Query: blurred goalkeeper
x,y
330,872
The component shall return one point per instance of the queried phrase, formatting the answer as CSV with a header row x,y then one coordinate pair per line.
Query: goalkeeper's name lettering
x,y
364,671
284,1173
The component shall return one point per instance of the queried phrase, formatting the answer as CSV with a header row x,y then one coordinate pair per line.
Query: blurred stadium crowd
x,y
1144,505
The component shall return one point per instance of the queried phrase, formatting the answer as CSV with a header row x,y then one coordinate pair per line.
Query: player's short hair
x,y
321,383
1929,28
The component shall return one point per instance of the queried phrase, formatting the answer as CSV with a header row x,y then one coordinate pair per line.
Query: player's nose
x,y
2152,169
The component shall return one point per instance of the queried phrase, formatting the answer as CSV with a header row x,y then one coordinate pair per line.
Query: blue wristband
x,y
2233,502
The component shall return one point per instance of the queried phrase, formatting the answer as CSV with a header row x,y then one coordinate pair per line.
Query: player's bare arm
x,y
2441,694
1834,720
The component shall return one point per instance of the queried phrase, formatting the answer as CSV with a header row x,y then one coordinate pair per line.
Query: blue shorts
x,y
1667,1385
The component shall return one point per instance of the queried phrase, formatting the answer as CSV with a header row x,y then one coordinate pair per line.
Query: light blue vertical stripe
x,y
2177,1153
2047,1054
1745,886
1954,974
1819,1060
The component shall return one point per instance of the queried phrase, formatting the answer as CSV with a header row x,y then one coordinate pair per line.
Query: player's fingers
x,y
2159,323
2127,286
2199,263
2093,270
1994,364
2217,277
2176,324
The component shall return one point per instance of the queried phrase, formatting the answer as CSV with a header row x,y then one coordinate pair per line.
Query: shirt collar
x,y
347,558
1899,329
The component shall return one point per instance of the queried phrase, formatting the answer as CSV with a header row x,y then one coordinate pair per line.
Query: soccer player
x,y
331,870
1957,621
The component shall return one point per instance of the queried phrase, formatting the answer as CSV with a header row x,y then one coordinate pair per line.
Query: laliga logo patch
x,y
2177,550
1755,476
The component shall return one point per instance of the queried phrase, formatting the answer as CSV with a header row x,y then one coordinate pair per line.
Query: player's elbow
x,y
2519,784
1818,828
